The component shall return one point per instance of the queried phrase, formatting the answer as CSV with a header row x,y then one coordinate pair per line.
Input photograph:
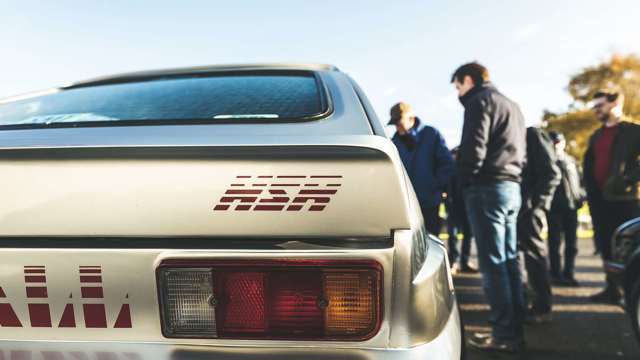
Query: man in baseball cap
x,y
426,158
563,218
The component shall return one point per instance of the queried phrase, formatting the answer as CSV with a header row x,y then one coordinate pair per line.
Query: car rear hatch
x,y
333,190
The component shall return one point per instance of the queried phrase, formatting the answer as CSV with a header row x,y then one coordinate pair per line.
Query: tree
x,y
621,71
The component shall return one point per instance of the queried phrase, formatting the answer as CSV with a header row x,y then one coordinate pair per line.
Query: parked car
x,y
624,268
226,212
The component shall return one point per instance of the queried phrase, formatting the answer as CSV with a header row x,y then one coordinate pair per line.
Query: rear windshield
x,y
214,98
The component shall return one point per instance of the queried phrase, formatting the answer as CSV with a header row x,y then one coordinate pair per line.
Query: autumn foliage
x,y
621,71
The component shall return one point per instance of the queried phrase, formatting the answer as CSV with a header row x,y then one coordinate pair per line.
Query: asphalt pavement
x,y
580,329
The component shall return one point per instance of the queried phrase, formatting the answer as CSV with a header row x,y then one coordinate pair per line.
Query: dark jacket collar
x,y
622,126
466,98
417,126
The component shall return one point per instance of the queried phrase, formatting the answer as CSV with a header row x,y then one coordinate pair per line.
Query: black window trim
x,y
326,103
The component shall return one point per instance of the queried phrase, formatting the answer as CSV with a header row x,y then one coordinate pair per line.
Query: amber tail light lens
x,y
271,299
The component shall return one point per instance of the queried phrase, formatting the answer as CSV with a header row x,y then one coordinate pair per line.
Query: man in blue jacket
x,y
427,160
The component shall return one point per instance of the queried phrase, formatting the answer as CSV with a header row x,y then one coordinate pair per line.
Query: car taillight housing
x,y
271,299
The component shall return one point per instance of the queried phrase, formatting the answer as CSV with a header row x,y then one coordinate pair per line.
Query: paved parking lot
x,y
580,330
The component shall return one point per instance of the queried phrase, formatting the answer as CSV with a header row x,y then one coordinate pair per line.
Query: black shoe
x,y
557,280
570,282
565,281
607,296
486,342
536,318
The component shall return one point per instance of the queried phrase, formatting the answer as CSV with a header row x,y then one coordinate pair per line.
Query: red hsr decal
x,y
279,192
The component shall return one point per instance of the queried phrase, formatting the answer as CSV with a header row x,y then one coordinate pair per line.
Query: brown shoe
x,y
468,269
455,269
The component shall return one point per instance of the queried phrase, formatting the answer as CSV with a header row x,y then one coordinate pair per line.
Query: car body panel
x,y
430,296
64,287
442,348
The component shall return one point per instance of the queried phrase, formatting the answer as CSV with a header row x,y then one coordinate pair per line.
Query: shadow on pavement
x,y
580,329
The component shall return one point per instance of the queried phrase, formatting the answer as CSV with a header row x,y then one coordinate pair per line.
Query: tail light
x,y
271,299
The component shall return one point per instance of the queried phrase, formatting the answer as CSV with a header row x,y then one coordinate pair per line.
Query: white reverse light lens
x,y
187,297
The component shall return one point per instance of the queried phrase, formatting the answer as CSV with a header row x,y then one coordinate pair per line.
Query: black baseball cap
x,y
397,111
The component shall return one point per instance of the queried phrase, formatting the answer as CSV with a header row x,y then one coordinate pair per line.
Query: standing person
x,y
563,218
491,158
611,176
540,178
427,160
458,223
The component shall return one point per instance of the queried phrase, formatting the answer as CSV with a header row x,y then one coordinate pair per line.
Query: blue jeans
x,y
493,213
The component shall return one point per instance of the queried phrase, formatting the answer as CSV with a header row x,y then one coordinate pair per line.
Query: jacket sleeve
x,y
475,136
587,174
444,166
581,192
548,175
632,175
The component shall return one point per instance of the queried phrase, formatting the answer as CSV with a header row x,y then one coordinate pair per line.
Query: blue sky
x,y
396,50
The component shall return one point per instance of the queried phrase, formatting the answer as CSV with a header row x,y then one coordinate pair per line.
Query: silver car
x,y
227,212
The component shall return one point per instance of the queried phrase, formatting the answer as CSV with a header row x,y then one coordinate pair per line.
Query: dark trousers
x,y
606,216
563,222
531,224
431,217
455,227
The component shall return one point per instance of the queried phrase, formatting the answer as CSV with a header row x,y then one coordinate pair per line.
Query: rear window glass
x,y
203,99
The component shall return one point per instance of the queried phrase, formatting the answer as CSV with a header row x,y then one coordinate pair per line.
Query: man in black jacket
x,y
563,218
540,178
489,166
612,176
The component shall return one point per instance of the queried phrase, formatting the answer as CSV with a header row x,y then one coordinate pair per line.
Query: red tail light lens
x,y
274,299
241,300
296,304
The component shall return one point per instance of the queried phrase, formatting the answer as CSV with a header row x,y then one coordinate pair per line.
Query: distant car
x,y
624,268
228,212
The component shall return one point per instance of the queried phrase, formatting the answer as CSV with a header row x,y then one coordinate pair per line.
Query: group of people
x,y
506,184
